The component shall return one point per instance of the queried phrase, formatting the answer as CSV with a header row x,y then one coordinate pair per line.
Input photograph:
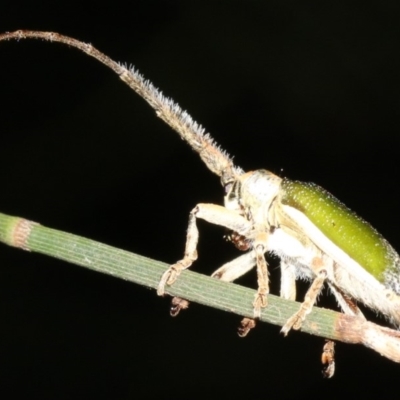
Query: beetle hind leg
x,y
296,320
260,300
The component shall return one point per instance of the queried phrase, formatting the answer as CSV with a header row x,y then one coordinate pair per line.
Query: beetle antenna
x,y
216,159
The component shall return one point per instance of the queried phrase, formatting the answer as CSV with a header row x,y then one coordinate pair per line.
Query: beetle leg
x,y
214,214
346,303
288,280
246,325
288,291
231,271
236,268
192,237
349,307
260,300
227,273
328,359
241,242
310,298
178,304
241,265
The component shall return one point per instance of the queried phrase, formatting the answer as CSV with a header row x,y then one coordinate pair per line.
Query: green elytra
x,y
356,237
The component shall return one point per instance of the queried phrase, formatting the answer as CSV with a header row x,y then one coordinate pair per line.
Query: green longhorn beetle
x,y
315,236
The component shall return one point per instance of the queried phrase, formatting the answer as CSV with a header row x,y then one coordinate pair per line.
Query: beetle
x,y
316,237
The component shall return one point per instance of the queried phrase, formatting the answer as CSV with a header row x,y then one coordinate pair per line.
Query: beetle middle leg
x,y
233,270
238,267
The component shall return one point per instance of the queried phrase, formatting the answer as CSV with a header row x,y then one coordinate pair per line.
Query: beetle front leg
x,y
214,214
190,255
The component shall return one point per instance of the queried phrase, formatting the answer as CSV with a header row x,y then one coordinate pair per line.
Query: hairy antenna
x,y
216,159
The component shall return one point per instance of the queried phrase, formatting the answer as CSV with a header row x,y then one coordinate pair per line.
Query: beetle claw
x,y
294,322
246,325
178,304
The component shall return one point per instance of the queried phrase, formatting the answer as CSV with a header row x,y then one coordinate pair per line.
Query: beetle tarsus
x,y
259,302
178,304
246,325
294,322
169,277
328,359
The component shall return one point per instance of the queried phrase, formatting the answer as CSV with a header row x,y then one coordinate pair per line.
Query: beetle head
x,y
252,192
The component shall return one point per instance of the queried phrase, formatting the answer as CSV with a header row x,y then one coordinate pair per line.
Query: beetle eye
x,y
228,187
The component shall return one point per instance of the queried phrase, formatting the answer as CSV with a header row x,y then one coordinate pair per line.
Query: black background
x,y
309,90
